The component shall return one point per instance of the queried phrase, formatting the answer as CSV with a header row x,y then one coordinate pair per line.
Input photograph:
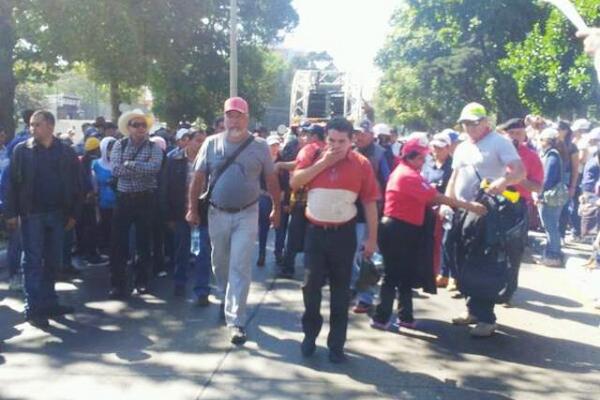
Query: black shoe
x,y
286,274
67,273
337,356
39,321
308,347
238,335
58,309
202,301
279,259
261,260
118,294
179,290
141,288
95,260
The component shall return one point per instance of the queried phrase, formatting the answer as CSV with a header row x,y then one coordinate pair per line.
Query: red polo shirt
x,y
332,194
407,195
533,169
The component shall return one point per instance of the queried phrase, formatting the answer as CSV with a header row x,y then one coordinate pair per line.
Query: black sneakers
x,y
58,309
337,356
238,335
308,347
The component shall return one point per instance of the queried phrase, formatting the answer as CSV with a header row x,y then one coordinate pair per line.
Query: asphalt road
x,y
157,347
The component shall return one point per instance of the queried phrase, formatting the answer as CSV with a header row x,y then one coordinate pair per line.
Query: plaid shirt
x,y
139,174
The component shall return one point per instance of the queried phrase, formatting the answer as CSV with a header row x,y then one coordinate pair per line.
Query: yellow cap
x,y
91,144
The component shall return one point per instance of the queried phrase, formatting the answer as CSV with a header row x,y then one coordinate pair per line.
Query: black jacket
x,y
175,185
20,190
487,246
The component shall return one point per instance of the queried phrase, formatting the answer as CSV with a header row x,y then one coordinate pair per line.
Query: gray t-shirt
x,y
489,157
239,185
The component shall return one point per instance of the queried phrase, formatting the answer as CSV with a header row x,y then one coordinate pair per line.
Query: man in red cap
x,y
233,162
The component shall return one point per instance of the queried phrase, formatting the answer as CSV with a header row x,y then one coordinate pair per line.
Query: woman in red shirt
x,y
401,231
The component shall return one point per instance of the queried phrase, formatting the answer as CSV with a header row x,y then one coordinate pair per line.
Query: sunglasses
x,y
138,125
471,123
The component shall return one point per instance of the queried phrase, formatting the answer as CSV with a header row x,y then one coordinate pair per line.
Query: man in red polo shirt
x,y
335,177
514,130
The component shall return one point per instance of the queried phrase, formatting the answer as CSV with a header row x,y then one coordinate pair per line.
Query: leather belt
x,y
135,195
232,210
333,227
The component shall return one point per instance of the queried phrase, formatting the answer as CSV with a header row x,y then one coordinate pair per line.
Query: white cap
x,y
381,129
273,139
593,135
441,140
181,133
549,133
581,125
282,129
422,136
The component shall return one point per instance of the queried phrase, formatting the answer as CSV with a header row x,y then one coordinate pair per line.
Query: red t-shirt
x,y
533,169
407,195
332,194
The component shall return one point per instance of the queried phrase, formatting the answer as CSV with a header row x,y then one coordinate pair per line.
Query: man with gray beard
x,y
233,162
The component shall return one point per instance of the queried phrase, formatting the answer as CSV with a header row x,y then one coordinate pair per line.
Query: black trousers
x,y
328,254
87,231
398,242
104,229
516,250
131,209
295,237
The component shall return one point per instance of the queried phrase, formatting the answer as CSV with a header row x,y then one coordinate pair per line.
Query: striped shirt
x,y
139,174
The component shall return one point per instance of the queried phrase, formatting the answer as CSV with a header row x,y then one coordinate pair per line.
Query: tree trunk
x,y
115,100
8,82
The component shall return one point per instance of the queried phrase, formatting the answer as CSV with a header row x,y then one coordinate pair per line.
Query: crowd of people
x,y
450,210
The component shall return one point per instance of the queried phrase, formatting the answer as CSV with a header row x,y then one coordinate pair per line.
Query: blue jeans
x,y
366,296
448,264
265,206
201,263
14,252
68,241
43,236
550,220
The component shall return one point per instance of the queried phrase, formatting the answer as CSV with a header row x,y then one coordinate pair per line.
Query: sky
x,y
351,31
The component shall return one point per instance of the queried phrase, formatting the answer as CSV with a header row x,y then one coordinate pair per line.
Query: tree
x,y
27,53
553,76
444,54
190,75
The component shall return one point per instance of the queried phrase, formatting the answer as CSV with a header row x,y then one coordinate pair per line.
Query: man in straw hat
x,y
135,163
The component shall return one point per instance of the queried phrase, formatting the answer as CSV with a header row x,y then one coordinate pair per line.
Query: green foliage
x,y
443,54
552,74
178,48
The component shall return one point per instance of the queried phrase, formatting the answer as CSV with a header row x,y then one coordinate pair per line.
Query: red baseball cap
x,y
414,145
236,104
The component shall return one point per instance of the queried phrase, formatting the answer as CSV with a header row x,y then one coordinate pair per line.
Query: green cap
x,y
472,112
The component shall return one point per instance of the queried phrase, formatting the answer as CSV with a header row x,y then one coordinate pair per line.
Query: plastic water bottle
x,y
447,216
195,241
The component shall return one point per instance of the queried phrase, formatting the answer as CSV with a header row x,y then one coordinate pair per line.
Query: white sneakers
x,y
481,329
464,319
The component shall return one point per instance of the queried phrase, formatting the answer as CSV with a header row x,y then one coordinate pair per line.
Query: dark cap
x,y
316,129
514,123
364,126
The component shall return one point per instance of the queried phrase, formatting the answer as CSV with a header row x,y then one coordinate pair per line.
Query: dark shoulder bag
x,y
203,202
